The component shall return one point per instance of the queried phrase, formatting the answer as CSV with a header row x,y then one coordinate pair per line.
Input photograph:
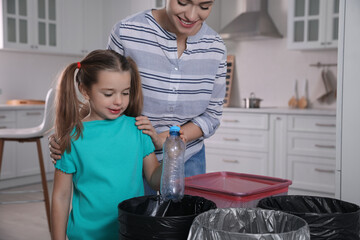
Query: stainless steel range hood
x,y
254,22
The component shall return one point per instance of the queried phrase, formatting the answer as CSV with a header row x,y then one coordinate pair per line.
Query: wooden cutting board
x,y
24,102
229,78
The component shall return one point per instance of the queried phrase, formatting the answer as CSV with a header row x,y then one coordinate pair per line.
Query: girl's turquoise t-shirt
x,y
107,168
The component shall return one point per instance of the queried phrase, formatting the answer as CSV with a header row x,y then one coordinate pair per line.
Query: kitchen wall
x,y
29,75
265,67
268,68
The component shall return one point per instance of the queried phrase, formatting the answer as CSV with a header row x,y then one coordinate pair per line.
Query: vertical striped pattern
x,y
176,90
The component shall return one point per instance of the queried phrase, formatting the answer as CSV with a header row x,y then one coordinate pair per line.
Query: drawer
x,y
311,144
245,120
251,140
7,125
29,118
236,161
323,124
7,116
312,174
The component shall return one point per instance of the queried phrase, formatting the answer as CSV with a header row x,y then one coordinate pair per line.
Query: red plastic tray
x,y
229,189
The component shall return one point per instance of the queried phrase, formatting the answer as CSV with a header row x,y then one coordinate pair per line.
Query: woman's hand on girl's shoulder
x,y
54,148
143,123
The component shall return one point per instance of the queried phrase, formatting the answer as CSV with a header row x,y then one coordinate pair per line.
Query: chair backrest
x,y
49,113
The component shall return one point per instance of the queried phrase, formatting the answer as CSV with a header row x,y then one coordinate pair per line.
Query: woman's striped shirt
x,y
176,90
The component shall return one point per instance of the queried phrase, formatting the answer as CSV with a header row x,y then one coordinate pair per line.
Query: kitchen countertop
x,y
283,110
266,110
21,107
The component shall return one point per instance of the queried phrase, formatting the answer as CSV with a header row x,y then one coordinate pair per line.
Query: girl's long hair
x,y
70,110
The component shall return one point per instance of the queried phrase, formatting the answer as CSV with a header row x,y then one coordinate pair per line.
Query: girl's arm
x,y
60,204
152,170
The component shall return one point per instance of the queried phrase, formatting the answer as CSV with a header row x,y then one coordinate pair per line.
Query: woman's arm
x,y
152,171
190,131
209,120
60,204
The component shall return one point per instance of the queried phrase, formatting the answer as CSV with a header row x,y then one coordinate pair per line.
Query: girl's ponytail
x,y
136,97
67,109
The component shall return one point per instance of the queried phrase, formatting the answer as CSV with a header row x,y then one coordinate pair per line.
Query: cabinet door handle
x,y
324,146
231,139
33,113
230,120
324,170
2,127
324,125
230,161
2,116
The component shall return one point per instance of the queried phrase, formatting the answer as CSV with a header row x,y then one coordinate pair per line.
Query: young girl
x,y
104,155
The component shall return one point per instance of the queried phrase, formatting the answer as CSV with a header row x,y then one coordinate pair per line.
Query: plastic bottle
x,y
172,178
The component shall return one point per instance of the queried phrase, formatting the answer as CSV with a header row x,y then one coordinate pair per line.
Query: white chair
x,y
33,134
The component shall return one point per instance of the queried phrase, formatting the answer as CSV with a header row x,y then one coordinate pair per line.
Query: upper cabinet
x,y
31,25
55,26
82,26
313,24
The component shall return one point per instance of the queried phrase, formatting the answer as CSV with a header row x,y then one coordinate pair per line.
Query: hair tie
x,y
78,65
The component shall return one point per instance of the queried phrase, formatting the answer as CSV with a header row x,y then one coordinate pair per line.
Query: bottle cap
x,y
174,129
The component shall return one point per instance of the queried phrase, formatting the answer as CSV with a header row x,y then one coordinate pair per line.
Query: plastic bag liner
x,y
327,218
248,223
149,217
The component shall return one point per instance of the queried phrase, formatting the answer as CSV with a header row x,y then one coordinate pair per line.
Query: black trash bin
x,y
150,217
248,223
328,218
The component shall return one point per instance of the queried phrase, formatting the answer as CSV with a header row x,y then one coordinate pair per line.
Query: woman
x,y
182,63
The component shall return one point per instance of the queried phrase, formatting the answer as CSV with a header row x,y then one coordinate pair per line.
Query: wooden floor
x,y
24,221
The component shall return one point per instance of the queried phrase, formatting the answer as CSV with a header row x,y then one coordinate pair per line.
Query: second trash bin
x,y
150,217
327,218
248,223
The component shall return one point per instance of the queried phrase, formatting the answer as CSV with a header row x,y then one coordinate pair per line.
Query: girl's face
x,y
109,97
187,16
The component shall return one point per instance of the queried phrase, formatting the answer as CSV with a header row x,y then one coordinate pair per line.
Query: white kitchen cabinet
x,y
311,151
26,154
298,145
30,25
81,26
311,175
239,145
21,159
232,160
8,166
277,145
313,24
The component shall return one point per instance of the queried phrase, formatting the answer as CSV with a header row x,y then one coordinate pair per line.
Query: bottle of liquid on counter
x,y
172,178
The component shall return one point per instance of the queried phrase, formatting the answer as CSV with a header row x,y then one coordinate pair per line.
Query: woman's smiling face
x,y
187,16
